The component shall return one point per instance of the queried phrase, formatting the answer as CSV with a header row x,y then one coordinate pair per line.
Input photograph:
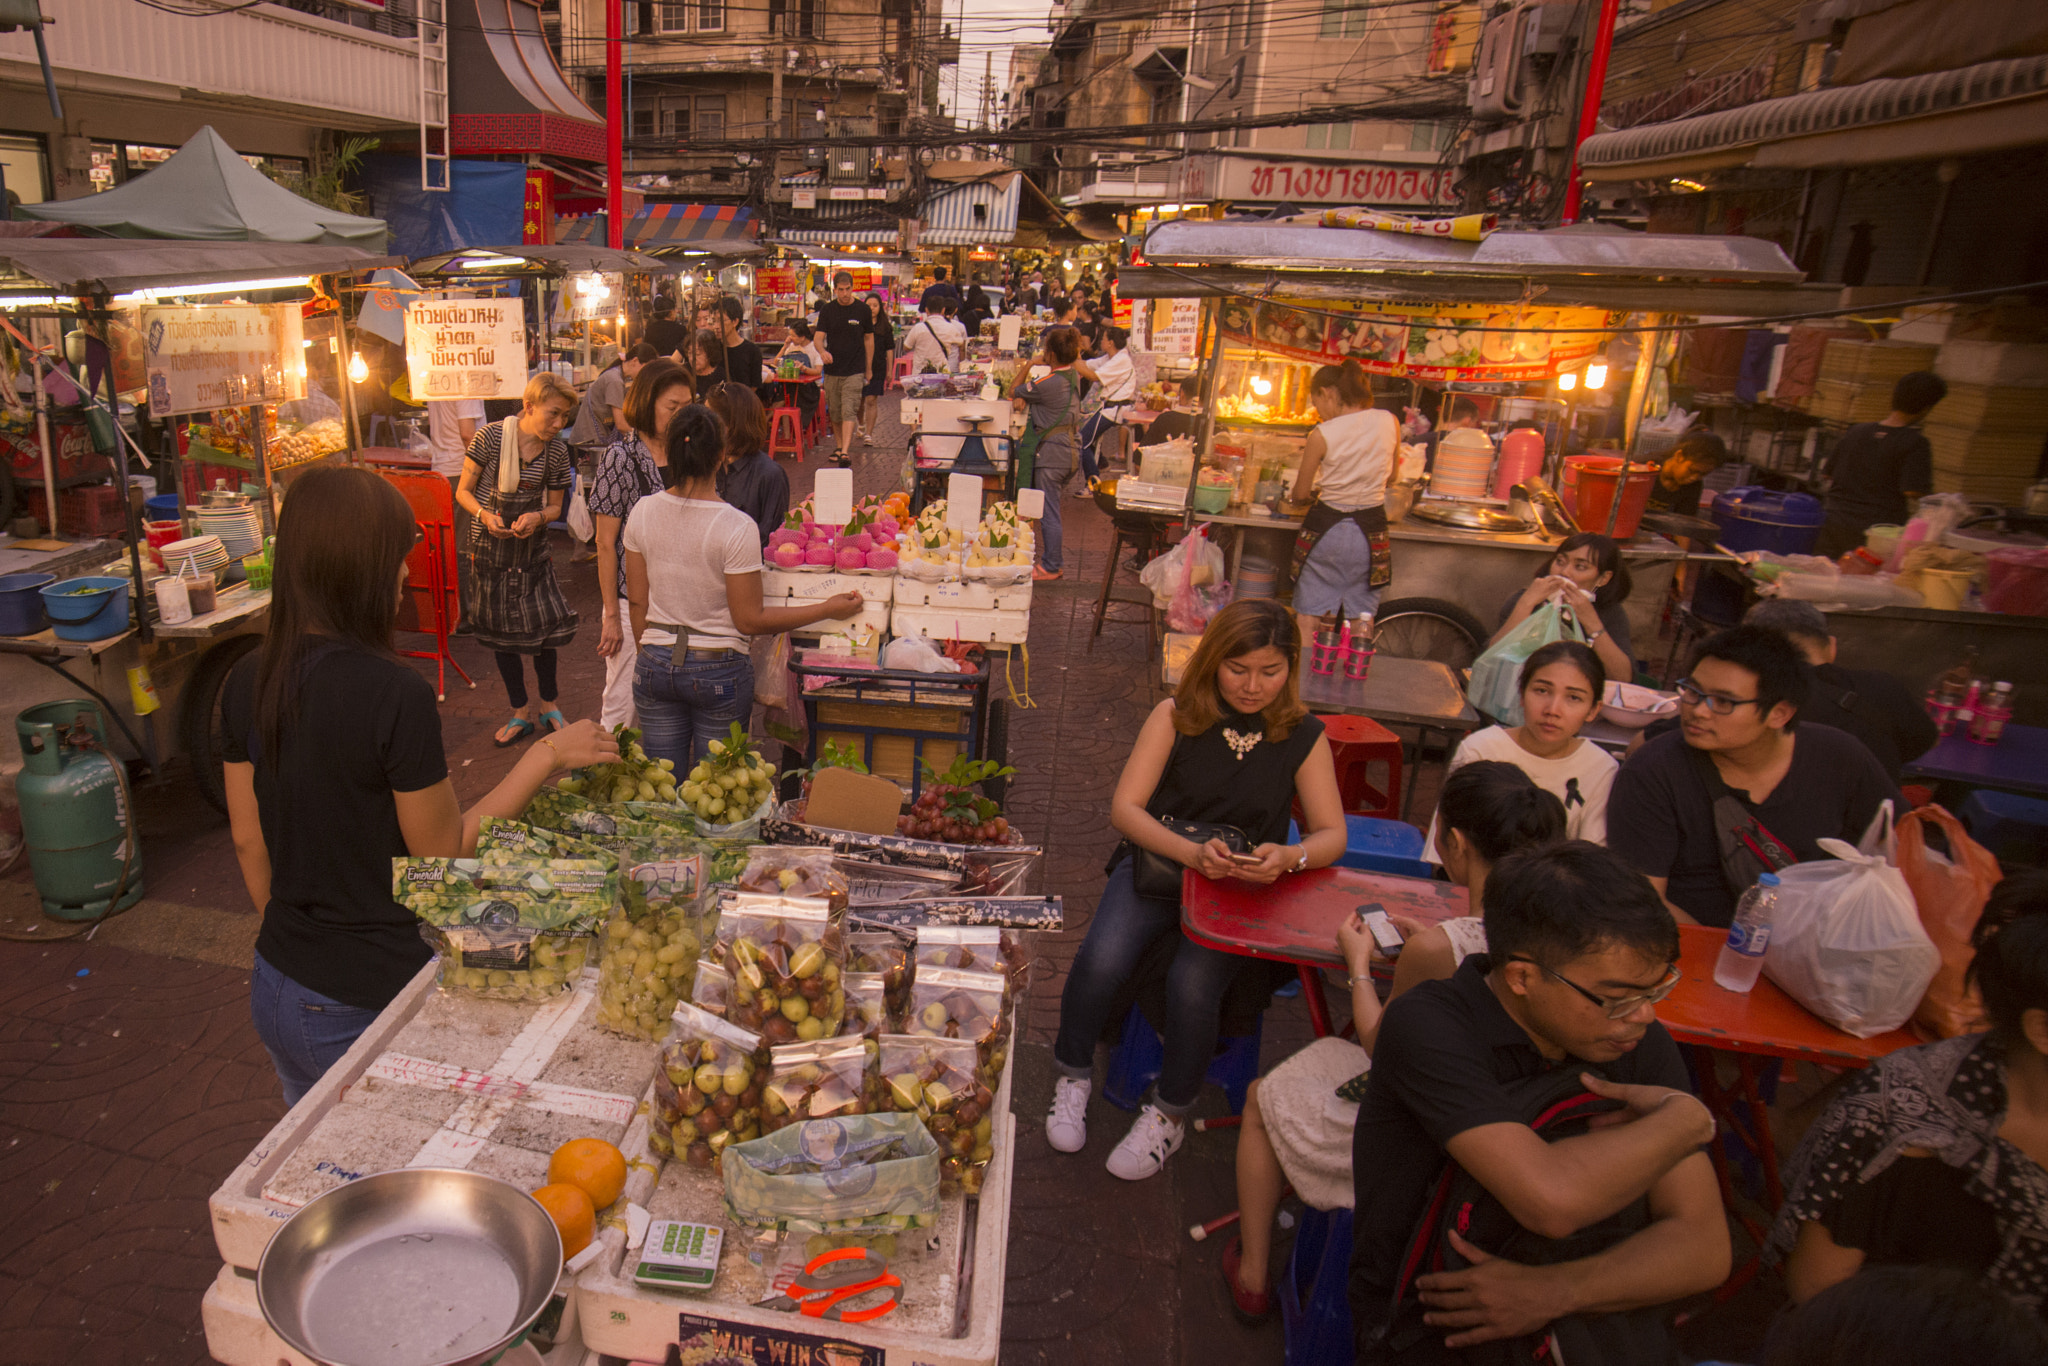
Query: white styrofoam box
x,y
780,587
2015,365
965,593
868,621
990,626
1927,324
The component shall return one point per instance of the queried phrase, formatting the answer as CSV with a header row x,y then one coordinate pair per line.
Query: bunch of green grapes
x,y
634,778
731,783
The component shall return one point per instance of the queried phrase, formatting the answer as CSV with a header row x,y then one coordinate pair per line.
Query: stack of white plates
x,y
1464,460
204,554
238,529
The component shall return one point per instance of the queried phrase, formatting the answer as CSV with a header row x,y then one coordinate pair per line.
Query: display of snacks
x,y
816,1080
785,957
708,1090
310,442
938,1081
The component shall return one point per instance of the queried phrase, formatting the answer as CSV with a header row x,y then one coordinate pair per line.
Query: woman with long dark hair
x,y
1234,746
335,767
878,374
1587,571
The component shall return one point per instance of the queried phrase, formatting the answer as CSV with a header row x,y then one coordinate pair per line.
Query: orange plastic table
x,y
1295,920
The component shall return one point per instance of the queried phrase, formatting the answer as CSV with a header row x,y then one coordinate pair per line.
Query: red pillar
x,y
1589,108
615,121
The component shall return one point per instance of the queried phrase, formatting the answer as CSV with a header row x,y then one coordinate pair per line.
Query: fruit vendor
x,y
335,767
1208,786
693,590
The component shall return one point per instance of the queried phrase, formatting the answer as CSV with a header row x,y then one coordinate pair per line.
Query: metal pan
x,y
419,1267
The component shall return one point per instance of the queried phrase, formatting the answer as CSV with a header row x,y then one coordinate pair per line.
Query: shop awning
x,y
486,263
1987,107
663,225
973,215
87,265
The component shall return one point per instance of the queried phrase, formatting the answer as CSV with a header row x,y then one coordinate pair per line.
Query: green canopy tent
x,y
205,191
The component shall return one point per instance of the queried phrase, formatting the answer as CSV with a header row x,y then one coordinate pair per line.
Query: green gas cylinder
x,y
75,812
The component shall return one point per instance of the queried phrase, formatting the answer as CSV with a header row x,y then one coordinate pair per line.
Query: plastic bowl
x,y
1632,707
89,608
21,603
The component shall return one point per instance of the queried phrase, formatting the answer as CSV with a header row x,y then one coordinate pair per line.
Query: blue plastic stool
x,y
2013,828
1313,1310
1379,846
1140,1054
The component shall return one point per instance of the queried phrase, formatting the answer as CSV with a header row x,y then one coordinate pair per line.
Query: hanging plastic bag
x,y
1194,602
1950,894
581,525
1847,943
1165,574
1495,688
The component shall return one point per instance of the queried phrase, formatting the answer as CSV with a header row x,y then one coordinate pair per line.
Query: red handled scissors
x,y
831,1278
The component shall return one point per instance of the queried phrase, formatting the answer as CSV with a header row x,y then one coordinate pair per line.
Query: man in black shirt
x,y
1879,470
937,292
1737,711
1683,478
848,328
742,357
1874,707
664,333
1579,950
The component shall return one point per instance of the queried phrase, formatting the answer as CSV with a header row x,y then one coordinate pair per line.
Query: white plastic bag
x,y
1847,943
581,524
915,653
1163,575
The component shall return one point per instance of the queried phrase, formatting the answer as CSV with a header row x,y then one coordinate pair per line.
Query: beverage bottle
x,y
1749,934
1961,675
1987,726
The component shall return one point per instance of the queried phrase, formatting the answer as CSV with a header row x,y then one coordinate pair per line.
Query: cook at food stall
x,y
1682,479
335,767
1343,556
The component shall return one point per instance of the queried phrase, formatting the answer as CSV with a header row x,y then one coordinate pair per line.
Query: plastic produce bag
x,y
817,1080
1950,894
881,954
1847,942
1193,601
508,928
784,956
1165,575
937,1081
1494,688
708,1089
857,1174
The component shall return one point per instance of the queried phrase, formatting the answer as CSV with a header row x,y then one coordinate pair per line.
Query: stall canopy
x,y
1589,265
978,214
721,229
87,265
205,191
496,263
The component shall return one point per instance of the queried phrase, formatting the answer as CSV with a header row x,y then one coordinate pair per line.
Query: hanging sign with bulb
x,y
210,356
1470,343
465,348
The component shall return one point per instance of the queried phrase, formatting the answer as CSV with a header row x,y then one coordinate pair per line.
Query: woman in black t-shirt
x,y
1233,746
335,767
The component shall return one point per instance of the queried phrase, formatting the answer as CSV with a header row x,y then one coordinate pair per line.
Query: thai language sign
x,y
211,356
1476,343
1307,182
465,348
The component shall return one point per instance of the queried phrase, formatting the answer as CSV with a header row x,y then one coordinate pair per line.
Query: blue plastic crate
x,y
2012,827
1379,846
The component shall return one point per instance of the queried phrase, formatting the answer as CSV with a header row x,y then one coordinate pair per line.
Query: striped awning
x,y
661,225
842,237
980,214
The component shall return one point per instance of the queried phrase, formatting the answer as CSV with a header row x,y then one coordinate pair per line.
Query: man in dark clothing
x,y
1786,789
742,357
1879,470
935,293
664,333
848,328
1173,422
977,307
1683,478
1579,951
1874,707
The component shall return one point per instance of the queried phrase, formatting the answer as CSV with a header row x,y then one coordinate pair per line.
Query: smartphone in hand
x,y
1384,935
1246,860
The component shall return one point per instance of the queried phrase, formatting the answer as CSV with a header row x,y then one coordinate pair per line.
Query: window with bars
x,y
1344,18
643,123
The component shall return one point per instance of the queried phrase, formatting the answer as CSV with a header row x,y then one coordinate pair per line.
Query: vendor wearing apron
x,y
519,608
1342,557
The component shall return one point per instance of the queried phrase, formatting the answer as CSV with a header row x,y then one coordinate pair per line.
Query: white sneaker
x,y
1066,1128
1152,1140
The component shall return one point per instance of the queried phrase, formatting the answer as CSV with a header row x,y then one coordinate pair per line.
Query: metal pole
x,y
348,386
1589,104
615,125
43,434
1209,380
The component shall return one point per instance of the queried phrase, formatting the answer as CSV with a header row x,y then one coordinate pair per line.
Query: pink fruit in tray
x,y
784,536
861,542
881,559
849,558
819,554
810,528
788,555
888,526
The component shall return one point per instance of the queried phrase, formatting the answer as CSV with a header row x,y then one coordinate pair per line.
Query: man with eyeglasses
x,y
1579,950
1740,788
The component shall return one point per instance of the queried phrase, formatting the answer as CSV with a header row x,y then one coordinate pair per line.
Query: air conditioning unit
x,y
1517,50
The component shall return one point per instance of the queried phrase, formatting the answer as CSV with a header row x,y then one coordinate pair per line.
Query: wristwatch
x,y
1595,636
1300,864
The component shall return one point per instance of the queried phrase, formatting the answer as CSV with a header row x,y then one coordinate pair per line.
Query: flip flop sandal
x,y
554,721
521,728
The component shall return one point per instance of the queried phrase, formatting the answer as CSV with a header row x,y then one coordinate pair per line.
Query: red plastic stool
x,y
1355,743
786,433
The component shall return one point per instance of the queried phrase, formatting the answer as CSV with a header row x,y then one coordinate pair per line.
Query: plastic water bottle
x,y
1749,934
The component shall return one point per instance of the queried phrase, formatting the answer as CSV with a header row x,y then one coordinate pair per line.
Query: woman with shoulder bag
x,y
1209,786
1046,452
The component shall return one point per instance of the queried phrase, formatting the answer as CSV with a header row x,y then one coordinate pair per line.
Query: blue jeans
x,y
306,1033
685,705
1108,420
1049,482
1124,926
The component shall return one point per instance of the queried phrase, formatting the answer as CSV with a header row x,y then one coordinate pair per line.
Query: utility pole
x,y
1589,105
987,114
614,124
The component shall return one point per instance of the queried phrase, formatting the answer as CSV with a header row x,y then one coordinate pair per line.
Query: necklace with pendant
x,y
1241,745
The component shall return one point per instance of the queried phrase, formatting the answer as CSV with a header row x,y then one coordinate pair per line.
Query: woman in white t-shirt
x,y
693,591
1560,686
1342,556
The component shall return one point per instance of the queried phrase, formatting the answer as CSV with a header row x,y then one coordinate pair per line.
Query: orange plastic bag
x,y
1949,894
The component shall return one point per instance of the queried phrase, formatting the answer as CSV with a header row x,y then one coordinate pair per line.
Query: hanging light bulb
x,y
1069,264
1567,382
1261,385
1596,371
358,368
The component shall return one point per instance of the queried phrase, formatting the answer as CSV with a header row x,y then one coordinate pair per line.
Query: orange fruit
x,y
592,1164
574,1215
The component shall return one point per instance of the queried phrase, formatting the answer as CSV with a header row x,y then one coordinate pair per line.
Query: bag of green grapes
x,y
508,928
652,941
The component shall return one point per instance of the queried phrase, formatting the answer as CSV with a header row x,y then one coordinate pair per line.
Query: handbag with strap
x,y
1747,847
1156,875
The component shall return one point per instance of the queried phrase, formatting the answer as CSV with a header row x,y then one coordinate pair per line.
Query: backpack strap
x,y
1746,845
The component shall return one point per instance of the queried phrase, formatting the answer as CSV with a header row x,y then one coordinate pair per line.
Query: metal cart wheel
x,y
199,723
1429,628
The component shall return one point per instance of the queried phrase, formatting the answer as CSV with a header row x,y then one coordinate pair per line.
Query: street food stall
x,y
1523,318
